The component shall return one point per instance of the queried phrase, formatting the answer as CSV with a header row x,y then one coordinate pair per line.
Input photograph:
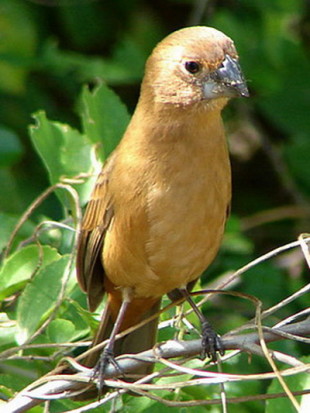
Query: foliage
x,y
76,62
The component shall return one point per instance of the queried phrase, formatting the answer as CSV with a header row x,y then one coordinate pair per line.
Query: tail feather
x,y
135,342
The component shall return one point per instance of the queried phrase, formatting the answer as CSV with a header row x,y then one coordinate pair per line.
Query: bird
x,y
157,213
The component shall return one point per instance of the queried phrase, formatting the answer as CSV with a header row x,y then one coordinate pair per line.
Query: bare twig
x,y
67,385
274,215
38,202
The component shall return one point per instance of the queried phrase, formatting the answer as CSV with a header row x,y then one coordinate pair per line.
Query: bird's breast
x,y
187,210
170,209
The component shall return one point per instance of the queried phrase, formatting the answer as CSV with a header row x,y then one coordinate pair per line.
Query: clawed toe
x,y
106,358
211,342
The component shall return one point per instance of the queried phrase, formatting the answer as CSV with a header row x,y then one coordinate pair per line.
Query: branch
x,y
65,386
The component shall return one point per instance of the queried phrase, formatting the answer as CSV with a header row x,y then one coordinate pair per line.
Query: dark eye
x,y
192,67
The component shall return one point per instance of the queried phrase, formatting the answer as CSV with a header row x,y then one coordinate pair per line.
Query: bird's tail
x,y
135,342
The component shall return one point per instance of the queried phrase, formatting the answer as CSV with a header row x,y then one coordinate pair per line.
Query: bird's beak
x,y
226,81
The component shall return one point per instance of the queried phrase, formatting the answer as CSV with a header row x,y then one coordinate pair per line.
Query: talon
x,y
106,358
211,342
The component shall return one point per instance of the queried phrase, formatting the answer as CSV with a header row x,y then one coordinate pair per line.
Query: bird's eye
x,y
192,67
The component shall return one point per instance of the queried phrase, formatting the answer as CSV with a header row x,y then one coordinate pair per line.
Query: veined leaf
x,y
65,152
104,117
39,298
18,268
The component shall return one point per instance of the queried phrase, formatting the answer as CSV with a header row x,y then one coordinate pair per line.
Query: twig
x,y
64,386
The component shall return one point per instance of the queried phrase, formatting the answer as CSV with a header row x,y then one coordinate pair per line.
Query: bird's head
x,y
192,65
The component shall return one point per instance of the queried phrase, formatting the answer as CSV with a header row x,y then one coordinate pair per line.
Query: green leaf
x,y
9,384
265,277
104,117
10,147
82,318
7,330
83,23
18,268
234,239
139,405
297,155
65,152
39,298
17,46
87,68
10,200
296,382
7,225
128,51
60,331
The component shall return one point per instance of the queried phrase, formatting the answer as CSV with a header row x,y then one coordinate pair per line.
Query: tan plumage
x,y
157,213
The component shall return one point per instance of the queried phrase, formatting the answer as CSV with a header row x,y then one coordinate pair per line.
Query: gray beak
x,y
226,81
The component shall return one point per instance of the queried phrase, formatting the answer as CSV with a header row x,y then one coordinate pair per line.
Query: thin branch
x,y
274,215
67,385
35,204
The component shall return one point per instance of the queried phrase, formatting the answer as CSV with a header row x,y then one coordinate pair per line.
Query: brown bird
x,y
156,216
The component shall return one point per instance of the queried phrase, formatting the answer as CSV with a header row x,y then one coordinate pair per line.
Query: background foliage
x,y
71,69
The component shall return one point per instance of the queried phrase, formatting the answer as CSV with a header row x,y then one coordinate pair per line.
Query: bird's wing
x,y
96,221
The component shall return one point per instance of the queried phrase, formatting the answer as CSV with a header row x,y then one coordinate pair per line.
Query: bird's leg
x,y
211,342
107,355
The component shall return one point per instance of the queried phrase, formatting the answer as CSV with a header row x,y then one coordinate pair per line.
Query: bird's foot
x,y
211,342
106,358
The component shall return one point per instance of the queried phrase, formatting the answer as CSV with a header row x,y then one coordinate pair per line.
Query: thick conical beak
x,y
226,81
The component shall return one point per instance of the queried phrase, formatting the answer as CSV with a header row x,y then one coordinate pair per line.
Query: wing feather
x,y
96,221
